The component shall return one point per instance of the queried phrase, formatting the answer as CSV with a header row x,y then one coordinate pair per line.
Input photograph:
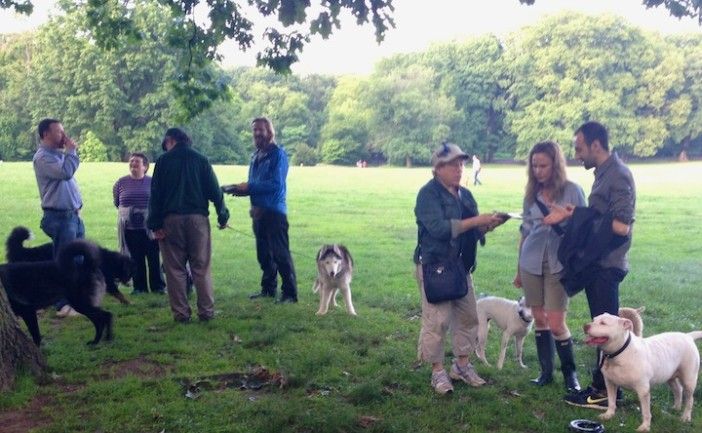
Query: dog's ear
x,y
346,254
322,252
641,309
626,324
337,251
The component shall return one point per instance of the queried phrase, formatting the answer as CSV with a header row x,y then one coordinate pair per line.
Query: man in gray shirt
x,y
613,193
55,164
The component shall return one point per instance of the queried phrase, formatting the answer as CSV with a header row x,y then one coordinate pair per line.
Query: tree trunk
x,y
682,157
17,351
408,161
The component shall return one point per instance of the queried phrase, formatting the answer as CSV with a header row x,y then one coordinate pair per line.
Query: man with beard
x,y
613,193
266,187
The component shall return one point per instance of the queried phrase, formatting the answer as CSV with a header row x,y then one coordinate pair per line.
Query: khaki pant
x,y
459,315
188,241
544,290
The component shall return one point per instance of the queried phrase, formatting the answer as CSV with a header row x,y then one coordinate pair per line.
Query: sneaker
x,y
466,374
441,382
591,398
66,311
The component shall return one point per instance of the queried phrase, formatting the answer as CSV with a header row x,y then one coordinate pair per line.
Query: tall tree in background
x,y
572,68
474,73
685,120
410,116
345,135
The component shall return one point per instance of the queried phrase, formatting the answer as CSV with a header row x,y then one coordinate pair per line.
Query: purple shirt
x,y
133,193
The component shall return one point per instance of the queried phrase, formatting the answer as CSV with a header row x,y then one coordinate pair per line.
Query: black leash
x,y
251,236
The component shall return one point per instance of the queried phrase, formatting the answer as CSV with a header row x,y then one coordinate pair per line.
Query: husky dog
x,y
513,317
334,272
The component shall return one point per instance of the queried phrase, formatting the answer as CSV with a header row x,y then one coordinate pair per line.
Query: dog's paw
x,y
644,427
686,417
523,365
320,313
607,415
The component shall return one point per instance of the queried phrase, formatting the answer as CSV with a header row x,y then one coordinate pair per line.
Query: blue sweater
x,y
267,174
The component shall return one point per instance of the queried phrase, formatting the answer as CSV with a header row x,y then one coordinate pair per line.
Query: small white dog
x,y
334,272
513,317
637,363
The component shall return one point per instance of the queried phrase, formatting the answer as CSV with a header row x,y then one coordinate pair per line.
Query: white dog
x,y
513,317
637,363
334,272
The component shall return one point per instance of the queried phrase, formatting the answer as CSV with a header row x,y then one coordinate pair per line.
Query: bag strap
x,y
544,210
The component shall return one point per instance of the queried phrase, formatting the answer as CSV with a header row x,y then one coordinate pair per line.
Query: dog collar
x,y
524,319
618,352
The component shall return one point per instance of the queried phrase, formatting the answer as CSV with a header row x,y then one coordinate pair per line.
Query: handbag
x,y
445,280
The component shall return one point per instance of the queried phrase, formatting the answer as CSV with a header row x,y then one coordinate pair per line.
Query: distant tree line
x,y
495,97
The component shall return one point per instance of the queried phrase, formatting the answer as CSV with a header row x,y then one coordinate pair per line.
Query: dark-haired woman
x,y
131,197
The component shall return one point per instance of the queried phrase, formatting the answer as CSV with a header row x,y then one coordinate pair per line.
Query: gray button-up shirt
x,y
614,192
540,240
54,170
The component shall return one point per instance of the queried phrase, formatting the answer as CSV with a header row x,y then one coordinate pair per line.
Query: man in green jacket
x,y
182,186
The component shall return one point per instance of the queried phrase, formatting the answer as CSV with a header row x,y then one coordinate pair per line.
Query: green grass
x,y
341,368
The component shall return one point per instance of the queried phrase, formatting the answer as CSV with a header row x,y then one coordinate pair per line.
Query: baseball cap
x,y
447,152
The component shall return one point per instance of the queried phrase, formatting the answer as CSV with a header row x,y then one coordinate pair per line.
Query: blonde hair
x,y
558,173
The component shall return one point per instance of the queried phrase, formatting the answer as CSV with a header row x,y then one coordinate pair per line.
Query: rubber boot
x,y
545,350
565,353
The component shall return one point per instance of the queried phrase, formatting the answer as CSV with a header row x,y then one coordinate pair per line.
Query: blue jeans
x,y
62,227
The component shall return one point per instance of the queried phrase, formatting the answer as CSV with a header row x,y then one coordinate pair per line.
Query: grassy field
x,y
343,374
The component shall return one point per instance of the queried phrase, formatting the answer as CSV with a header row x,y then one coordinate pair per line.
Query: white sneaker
x,y
466,374
441,382
66,311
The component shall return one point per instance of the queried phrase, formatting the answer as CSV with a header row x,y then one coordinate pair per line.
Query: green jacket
x,y
438,215
183,183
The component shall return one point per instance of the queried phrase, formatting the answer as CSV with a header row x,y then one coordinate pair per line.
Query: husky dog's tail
x,y
13,245
696,335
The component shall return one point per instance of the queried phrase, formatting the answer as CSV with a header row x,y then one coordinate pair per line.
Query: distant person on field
x,y
266,187
476,167
131,197
181,189
538,268
55,164
613,194
449,229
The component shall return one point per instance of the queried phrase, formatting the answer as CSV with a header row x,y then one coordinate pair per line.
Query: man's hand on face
x,y
69,144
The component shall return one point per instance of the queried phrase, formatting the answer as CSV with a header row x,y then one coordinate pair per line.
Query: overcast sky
x,y
354,50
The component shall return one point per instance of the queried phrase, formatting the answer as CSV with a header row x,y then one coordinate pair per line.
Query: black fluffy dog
x,y
74,275
113,265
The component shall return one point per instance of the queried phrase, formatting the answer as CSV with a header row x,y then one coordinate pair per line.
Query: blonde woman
x,y
539,270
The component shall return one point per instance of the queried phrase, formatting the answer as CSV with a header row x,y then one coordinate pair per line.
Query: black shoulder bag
x,y
444,280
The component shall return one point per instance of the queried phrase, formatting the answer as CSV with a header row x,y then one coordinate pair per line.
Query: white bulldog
x,y
637,363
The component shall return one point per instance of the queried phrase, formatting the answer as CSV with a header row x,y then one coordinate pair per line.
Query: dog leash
x,y
250,236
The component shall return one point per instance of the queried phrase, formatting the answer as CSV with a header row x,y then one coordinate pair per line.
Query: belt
x,y
51,209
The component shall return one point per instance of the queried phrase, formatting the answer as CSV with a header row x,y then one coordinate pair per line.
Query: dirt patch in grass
x,y
140,367
28,417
